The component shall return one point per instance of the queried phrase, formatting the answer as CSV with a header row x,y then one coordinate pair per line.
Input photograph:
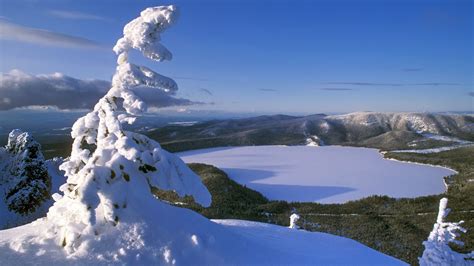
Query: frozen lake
x,y
327,174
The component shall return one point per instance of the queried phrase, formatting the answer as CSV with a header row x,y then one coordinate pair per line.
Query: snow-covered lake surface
x,y
327,174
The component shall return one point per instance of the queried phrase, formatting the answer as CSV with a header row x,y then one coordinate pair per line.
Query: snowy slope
x,y
327,174
458,144
183,237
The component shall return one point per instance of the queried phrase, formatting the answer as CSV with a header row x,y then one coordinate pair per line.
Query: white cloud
x,y
21,90
15,32
65,14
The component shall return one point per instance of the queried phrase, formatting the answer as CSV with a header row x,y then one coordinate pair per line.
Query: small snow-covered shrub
x,y
24,176
437,250
293,219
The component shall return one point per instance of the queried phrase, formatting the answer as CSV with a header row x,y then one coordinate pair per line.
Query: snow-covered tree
x,y
24,176
293,219
110,170
437,250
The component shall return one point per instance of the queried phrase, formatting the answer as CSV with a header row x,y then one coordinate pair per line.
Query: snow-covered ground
x,y
436,150
328,174
182,237
458,143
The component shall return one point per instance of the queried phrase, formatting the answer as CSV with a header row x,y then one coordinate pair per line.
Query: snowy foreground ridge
x,y
182,237
106,213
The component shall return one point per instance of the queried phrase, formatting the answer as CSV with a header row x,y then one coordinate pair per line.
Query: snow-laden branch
x,y
143,33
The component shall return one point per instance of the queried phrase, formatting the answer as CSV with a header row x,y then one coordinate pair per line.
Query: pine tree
x,y
437,250
26,178
110,170
293,219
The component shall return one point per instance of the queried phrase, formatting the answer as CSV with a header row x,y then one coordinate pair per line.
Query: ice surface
x,y
327,174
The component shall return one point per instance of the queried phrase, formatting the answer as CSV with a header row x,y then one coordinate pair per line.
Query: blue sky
x,y
269,56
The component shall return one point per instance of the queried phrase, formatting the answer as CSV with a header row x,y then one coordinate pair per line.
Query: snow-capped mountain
x,y
370,129
461,126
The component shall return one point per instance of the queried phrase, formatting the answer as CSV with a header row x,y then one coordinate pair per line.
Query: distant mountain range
x,y
386,131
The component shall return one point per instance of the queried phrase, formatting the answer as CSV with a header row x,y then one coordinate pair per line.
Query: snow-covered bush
x,y
293,219
25,184
437,250
24,176
110,170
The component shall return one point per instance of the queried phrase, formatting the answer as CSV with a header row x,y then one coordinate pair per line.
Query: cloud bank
x,y
15,32
19,90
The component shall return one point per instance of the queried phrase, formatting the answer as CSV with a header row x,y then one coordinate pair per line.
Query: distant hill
x,y
387,131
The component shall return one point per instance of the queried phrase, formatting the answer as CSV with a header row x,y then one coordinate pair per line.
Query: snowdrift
x,y
161,234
